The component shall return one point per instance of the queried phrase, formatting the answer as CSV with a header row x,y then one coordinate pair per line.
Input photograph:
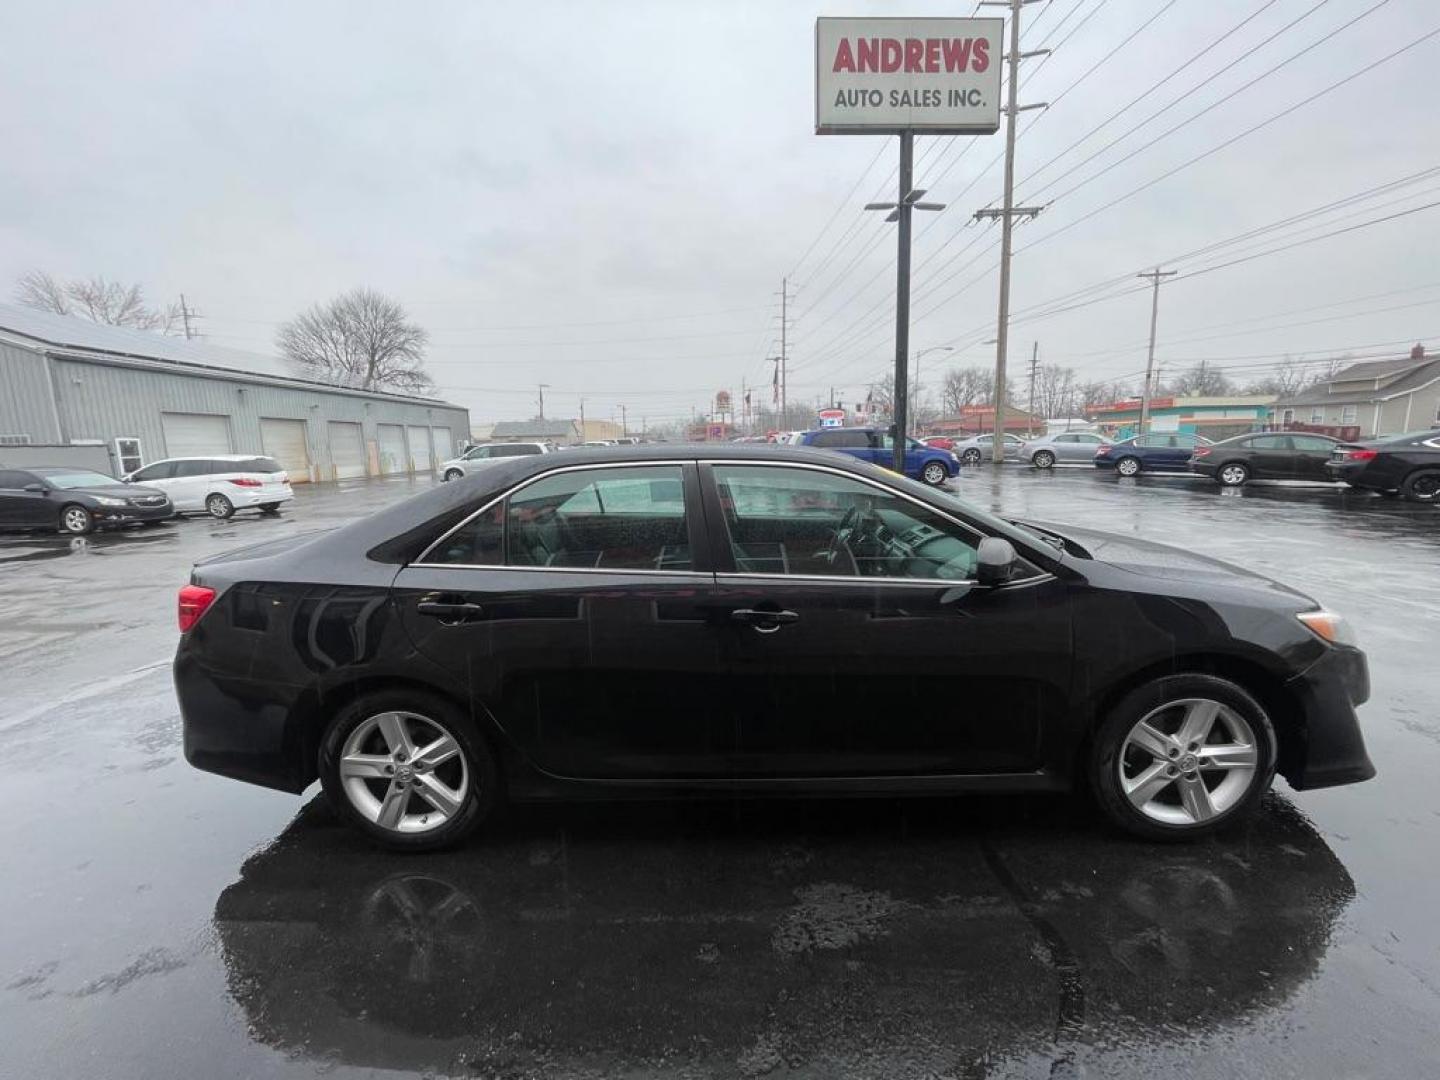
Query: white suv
x,y
218,485
455,467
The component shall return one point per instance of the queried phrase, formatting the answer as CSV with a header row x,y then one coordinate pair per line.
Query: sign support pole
x,y
902,300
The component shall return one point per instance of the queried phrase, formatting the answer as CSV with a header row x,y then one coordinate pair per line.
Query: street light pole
x,y
933,348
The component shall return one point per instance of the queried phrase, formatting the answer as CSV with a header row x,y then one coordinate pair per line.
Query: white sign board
x,y
884,76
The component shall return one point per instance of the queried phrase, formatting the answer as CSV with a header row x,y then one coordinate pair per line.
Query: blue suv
x,y
924,463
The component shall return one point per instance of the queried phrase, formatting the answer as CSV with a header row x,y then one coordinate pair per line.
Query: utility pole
x,y
1034,367
1154,276
186,314
542,399
1007,216
624,424
900,211
784,358
582,419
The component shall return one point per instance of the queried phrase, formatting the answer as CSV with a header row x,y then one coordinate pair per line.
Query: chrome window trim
x,y
849,579
685,514
612,572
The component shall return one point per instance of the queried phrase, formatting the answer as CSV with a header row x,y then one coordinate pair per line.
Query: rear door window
x,y
841,437
194,467
1270,442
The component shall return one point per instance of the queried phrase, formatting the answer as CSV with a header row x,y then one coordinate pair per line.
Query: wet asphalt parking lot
x,y
160,922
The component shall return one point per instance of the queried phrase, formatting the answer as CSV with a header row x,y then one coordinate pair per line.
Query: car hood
x,y
114,491
1146,558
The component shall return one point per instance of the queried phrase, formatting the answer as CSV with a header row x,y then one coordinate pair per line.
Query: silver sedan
x,y
975,449
1063,446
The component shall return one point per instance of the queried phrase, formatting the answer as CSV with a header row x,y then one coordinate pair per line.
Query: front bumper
x,y
105,516
1332,750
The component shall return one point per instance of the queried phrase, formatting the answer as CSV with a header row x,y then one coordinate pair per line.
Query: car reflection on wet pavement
x,y
160,921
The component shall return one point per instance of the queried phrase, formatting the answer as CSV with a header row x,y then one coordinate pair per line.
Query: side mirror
x,y
994,560
38,489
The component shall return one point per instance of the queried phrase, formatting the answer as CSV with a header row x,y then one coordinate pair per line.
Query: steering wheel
x,y
858,526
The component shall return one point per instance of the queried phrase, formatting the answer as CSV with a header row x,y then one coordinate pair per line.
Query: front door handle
x,y
764,622
449,611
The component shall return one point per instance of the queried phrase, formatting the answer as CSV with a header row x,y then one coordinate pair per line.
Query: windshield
x,y
78,479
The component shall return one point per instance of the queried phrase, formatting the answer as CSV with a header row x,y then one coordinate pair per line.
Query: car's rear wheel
x,y
934,474
76,520
453,474
1043,459
270,508
1182,756
1232,474
408,770
1422,486
1128,466
971,456
218,506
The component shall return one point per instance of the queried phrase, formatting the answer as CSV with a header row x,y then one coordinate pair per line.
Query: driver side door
x,y
858,642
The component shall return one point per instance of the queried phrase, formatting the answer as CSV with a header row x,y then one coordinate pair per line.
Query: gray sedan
x,y
1063,446
973,450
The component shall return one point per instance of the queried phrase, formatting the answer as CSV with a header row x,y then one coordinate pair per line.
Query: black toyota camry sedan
x,y
681,621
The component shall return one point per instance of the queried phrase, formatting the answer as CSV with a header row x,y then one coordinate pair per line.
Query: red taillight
x,y
245,481
1360,455
194,601
1201,451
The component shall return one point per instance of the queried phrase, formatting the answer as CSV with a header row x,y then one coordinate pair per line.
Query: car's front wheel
x,y
76,520
934,474
453,474
1422,486
408,770
1043,459
1128,466
1182,756
218,506
971,456
1232,474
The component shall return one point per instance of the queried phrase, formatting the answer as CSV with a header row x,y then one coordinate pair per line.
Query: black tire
x,y
935,474
1103,766
481,793
1232,474
1422,485
971,456
218,506
1043,459
1131,463
75,520
453,474
270,508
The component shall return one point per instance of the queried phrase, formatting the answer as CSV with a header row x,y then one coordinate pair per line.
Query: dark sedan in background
x,y
1407,465
1271,456
76,501
730,620
1155,452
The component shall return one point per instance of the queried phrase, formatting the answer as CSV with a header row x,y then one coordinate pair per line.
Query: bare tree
x,y
362,339
1055,391
966,386
97,299
1201,380
1285,381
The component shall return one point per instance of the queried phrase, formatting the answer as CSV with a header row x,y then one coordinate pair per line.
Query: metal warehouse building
x,y
73,392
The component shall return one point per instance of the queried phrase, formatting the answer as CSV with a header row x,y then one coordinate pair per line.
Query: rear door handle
x,y
764,622
448,611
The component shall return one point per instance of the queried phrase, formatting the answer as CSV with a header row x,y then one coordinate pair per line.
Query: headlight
x,y
1329,627
106,500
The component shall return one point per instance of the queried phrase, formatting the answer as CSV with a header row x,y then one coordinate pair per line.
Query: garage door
x,y
347,450
393,456
444,448
195,434
284,440
419,440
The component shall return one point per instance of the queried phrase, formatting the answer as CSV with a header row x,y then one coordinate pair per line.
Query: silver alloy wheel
x,y
934,474
1234,474
971,456
218,506
453,474
1043,459
1188,761
76,519
404,772
1128,466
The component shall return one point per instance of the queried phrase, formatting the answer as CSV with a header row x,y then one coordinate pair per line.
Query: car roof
x,y
211,457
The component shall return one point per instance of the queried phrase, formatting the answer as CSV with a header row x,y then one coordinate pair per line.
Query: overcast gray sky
x,y
605,196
